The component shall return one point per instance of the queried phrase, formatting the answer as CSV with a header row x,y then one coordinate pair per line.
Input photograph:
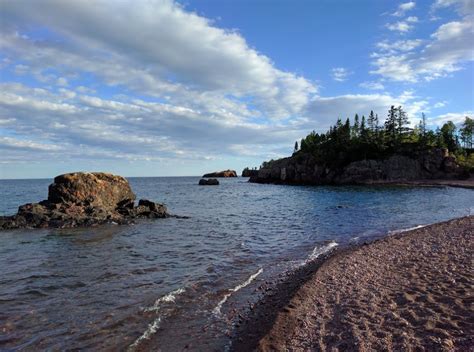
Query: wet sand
x,y
411,291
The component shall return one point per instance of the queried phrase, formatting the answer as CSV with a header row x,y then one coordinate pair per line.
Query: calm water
x,y
173,283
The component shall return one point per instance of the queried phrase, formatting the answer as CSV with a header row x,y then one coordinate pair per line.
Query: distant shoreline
x,y
408,288
467,183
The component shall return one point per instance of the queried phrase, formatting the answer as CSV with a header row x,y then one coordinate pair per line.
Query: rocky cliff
x,y
249,172
84,199
301,168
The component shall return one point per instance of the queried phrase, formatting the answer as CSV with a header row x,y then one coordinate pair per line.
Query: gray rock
x,y
210,182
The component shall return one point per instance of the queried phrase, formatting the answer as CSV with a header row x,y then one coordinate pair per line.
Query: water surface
x,y
172,283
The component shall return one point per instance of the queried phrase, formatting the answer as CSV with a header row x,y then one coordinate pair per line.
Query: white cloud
x,y
324,111
456,117
404,7
400,26
439,104
411,60
399,45
340,74
412,19
372,85
196,63
464,7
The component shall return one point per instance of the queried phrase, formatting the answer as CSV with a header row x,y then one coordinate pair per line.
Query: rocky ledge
x,y
435,163
225,173
84,199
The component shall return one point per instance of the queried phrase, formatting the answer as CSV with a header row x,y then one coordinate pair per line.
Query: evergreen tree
x,y
296,147
356,127
371,121
422,126
346,133
448,131
303,145
391,125
401,124
363,130
467,133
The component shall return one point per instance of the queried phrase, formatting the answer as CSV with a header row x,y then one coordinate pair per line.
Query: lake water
x,y
171,284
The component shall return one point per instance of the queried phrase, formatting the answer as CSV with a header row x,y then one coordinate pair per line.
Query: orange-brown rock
x,y
225,173
96,188
84,199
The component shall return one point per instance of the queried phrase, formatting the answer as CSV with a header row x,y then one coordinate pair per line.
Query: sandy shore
x,y
407,292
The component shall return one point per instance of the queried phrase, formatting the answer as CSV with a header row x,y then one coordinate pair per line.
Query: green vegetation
x,y
367,139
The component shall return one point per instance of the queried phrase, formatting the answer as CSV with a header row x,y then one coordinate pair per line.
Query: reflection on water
x,y
173,283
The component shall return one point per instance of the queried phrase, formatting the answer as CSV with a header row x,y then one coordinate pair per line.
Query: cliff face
x,y
304,169
249,173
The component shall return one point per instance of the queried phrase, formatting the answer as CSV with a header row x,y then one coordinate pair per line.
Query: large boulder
x,y
84,199
97,189
225,173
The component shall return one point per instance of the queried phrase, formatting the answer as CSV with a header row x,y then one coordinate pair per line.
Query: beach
x,y
408,291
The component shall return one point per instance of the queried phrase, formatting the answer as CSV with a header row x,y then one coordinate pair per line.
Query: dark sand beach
x,y
411,291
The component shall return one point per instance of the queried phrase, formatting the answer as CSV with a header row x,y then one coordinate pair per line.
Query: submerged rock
x,y
84,199
225,173
210,182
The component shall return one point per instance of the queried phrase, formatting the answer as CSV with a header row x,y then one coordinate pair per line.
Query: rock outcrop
x,y
210,182
225,173
304,169
249,173
84,199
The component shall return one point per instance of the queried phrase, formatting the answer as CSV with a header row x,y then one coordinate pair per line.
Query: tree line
x,y
370,138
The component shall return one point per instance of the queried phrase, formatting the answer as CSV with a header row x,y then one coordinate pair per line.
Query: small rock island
x,y
210,182
225,173
84,199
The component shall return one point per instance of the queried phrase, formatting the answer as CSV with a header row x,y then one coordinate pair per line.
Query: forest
x,y
368,138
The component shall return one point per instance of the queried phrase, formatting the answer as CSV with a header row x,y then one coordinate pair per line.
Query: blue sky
x,y
161,88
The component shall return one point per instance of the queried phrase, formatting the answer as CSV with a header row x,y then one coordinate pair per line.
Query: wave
x,y
318,250
155,324
170,297
393,232
217,310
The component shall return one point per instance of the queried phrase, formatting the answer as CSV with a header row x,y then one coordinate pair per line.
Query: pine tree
x,y
402,124
356,127
296,147
391,125
422,125
371,121
363,130
467,133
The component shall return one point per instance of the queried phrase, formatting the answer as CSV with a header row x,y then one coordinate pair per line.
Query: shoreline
x,y
467,183
405,289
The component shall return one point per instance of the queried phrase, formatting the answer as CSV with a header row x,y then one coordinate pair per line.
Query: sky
x,y
178,88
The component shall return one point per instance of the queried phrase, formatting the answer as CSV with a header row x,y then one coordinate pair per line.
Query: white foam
x,y
217,310
152,329
318,250
154,326
170,297
405,230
